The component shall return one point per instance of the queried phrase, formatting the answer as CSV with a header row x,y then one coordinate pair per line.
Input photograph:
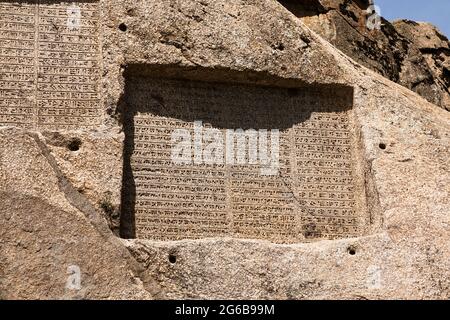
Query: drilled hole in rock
x,y
74,144
382,146
123,27
351,251
172,258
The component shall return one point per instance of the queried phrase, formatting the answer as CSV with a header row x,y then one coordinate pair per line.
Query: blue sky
x,y
434,11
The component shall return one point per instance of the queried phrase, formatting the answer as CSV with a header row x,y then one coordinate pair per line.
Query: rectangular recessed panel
x,y
49,64
311,195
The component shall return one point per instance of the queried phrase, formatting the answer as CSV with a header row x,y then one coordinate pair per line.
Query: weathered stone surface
x,y
47,227
92,162
409,190
404,147
409,53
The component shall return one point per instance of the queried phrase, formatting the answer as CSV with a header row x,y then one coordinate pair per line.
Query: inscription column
x,y
68,65
173,201
263,205
17,63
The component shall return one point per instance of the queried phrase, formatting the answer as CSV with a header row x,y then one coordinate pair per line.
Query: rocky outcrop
x,y
52,183
415,55
435,48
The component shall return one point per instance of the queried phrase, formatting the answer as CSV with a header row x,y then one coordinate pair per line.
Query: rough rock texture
x,y
409,252
49,212
414,55
92,162
48,226
435,48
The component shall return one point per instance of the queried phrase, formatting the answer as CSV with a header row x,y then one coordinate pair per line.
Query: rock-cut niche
x,y
205,158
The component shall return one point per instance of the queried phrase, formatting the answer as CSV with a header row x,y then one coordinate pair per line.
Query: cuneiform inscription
x,y
313,196
49,68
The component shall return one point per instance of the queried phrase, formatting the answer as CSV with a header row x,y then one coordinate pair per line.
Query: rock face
x,y
415,55
49,230
435,48
68,167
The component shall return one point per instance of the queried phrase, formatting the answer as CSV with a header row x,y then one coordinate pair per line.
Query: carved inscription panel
x,y
311,194
49,64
